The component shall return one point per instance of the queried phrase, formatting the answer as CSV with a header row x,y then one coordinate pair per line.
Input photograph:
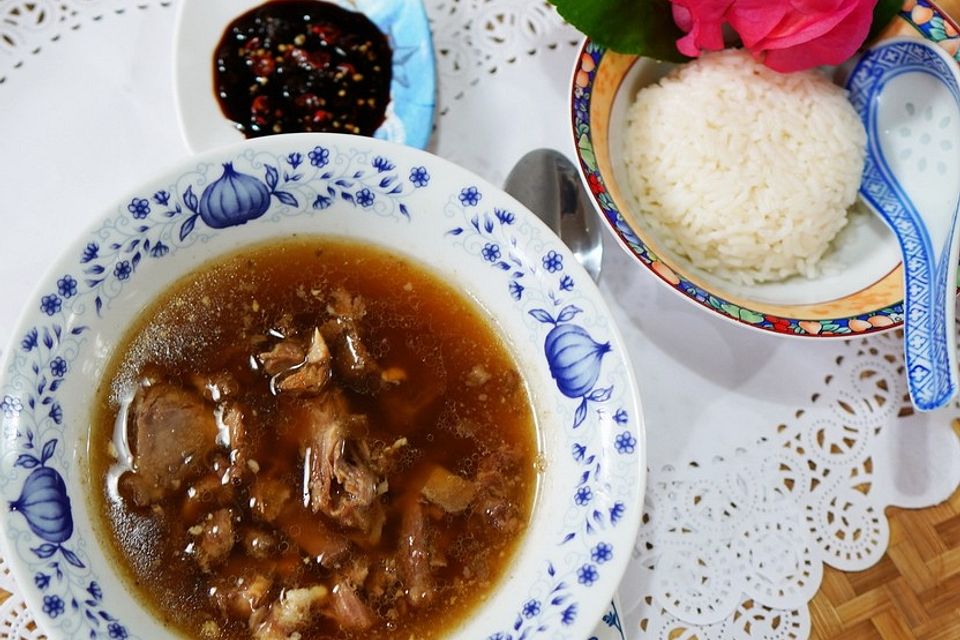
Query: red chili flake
x,y
260,105
263,65
327,31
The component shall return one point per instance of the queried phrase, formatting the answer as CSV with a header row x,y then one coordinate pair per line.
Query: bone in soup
x,y
313,437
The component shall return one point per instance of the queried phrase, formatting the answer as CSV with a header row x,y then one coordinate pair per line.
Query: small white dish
x,y
200,24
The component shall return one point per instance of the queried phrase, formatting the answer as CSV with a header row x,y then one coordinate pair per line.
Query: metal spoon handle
x,y
548,184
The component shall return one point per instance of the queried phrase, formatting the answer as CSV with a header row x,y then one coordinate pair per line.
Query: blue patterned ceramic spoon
x,y
907,92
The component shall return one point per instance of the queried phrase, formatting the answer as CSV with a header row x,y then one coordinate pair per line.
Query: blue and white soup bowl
x,y
543,304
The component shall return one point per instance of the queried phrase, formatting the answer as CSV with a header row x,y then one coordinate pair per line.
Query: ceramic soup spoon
x,y
907,92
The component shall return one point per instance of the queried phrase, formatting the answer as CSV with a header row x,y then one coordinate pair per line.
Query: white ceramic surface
x,y
587,512
907,92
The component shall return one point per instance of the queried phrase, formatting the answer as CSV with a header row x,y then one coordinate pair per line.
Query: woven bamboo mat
x,y
913,592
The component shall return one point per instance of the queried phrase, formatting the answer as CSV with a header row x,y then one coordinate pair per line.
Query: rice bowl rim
x,y
590,133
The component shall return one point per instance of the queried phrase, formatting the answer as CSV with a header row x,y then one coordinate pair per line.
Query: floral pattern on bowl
x,y
546,308
598,75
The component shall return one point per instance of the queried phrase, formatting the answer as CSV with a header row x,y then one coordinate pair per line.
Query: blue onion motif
x,y
234,198
574,358
44,504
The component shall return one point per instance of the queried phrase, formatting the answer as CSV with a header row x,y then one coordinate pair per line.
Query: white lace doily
x,y
768,457
797,450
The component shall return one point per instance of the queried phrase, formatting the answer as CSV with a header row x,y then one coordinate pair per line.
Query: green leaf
x,y
642,27
586,152
731,310
750,316
883,13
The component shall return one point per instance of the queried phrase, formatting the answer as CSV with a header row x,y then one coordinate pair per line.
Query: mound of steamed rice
x,y
745,171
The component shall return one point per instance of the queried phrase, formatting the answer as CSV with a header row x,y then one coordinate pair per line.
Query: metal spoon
x,y
548,184
907,92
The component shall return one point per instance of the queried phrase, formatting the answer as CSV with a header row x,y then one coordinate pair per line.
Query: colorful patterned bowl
x,y
864,296
586,402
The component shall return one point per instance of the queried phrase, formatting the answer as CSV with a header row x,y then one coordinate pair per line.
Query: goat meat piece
x,y
216,387
497,474
314,537
407,408
347,609
284,355
342,484
231,417
356,572
297,367
343,305
259,543
353,363
208,491
239,596
293,612
312,375
385,459
174,432
416,555
383,584
214,539
447,490
269,497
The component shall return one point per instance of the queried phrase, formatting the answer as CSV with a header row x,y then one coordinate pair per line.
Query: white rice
x,y
745,171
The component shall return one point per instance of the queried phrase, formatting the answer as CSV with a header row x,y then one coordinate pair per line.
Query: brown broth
x,y
416,322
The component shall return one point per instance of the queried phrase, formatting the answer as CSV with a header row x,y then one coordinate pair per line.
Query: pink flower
x,y
702,20
787,35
